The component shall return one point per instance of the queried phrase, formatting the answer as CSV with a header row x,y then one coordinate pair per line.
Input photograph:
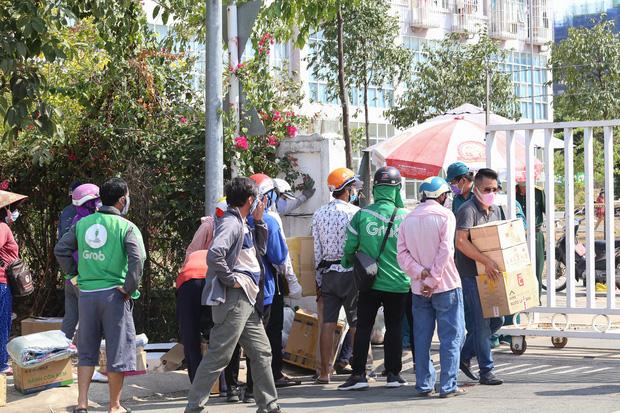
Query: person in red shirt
x,y
189,284
600,209
9,252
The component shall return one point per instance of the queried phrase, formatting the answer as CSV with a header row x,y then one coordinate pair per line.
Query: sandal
x,y
80,410
286,381
319,380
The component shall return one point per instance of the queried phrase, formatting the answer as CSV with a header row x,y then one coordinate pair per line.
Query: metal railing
x,y
467,16
542,21
577,302
507,20
427,13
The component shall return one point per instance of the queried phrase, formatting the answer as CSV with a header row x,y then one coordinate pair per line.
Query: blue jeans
x,y
479,329
447,309
6,311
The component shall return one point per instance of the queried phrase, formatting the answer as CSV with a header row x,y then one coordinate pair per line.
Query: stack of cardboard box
x,y
517,288
302,346
301,250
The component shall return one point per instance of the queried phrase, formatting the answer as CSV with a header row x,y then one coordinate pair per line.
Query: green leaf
x,y
156,11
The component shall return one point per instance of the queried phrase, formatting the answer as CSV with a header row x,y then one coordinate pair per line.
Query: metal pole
x,y
214,131
531,13
233,61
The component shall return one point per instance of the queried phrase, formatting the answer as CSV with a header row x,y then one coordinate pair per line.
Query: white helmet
x,y
284,188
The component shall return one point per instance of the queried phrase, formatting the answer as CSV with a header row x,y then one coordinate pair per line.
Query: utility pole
x,y
531,15
214,131
233,61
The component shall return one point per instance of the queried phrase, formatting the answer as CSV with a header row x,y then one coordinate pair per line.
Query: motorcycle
x,y
600,261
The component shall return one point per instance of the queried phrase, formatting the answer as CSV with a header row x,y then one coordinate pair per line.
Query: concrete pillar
x,y
317,155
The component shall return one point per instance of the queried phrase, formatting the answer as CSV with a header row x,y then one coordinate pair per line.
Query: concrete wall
x,y
317,155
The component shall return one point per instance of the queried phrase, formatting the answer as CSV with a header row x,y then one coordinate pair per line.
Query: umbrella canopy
x,y
8,198
428,148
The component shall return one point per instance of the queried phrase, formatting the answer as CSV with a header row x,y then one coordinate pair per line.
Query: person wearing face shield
x,y
9,253
86,201
335,283
479,209
286,201
426,254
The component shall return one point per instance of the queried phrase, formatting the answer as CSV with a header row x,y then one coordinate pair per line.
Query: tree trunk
x,y
344,96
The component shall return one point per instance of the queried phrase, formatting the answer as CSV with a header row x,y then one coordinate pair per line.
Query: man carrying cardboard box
x,y
335,283
426,254
480,209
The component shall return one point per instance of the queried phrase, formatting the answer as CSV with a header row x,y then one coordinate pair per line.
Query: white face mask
x,y
126,207
12,217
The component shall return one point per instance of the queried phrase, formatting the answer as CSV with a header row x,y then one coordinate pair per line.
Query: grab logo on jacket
x,y
96,236
375,229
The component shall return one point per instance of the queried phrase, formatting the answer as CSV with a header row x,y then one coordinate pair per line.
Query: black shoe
x,y
354,383
249,398
465,367
490,379
395,380
232,395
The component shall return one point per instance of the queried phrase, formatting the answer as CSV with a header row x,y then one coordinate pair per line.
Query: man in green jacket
x,y
111,259
391,286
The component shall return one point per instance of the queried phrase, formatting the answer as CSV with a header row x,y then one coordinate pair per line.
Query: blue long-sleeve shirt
x,y
276,254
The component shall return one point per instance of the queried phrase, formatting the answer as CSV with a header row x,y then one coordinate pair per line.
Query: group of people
x,y
237,271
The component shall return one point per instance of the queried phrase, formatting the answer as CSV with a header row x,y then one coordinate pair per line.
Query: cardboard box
x,y
303,340
141,365
498,235
301,250
515,291
2,390
174,358
39,324
53,374
509,259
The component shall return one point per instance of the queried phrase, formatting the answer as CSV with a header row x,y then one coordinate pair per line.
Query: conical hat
x,y
8,198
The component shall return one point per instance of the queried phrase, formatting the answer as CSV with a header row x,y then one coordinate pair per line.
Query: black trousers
x,y
393,308
194,320
231,372
409,314
274,328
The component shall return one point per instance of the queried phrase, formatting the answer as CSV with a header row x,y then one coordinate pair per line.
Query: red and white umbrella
x,y
427,149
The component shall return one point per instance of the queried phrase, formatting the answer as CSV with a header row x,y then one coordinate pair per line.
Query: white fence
x,y
576,303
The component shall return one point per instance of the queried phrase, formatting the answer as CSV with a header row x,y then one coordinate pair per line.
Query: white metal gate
x,y
577,303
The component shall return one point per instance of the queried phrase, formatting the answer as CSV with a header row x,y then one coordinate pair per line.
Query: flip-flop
x,y
319,380
127,409
80,410
287,382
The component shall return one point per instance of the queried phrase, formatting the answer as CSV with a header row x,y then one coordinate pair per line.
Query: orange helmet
x,y
339,178
264,183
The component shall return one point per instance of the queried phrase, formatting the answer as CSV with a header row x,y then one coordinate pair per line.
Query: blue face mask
x,y
353,198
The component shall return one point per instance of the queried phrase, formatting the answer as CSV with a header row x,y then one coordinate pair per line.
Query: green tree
x,y
587,67
31,36
454,73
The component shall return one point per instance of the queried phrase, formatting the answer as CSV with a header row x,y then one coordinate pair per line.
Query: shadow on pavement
x,y
586,391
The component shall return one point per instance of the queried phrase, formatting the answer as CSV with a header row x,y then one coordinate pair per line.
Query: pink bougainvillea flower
x,y
241,142
4,185
272,140
72,156
291,130
276,116
183,119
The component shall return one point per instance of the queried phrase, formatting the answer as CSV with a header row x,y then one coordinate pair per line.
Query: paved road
x,y
544,379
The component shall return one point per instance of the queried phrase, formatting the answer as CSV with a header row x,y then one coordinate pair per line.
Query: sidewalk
x,y
579,378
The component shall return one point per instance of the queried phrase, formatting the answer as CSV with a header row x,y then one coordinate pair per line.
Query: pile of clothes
x,y
39,348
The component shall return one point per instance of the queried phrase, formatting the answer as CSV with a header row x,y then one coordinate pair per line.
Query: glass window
x,y
314,92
